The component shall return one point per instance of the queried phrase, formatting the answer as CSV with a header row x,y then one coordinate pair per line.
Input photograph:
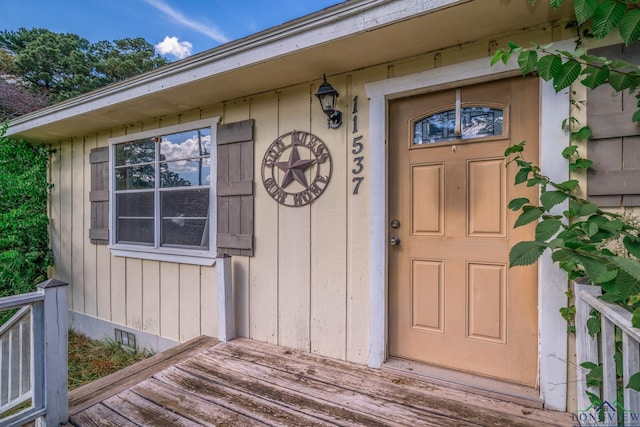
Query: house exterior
x,y
385,237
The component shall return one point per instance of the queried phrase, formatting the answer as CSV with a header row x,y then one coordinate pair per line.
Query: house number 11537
x,y
358,148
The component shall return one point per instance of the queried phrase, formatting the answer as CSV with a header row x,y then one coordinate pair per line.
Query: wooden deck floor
x,y
246,383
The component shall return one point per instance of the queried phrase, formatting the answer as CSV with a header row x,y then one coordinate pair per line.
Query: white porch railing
x,y
600,349
33,357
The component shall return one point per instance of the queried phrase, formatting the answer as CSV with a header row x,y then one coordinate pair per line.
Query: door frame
x,y
552,282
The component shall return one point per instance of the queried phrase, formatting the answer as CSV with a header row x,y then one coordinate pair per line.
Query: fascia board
x,y
331,24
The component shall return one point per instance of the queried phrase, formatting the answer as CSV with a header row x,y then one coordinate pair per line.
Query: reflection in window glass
x,y
162,190
135,177
186,145
182,173
185,216
135,152
476,122
134,213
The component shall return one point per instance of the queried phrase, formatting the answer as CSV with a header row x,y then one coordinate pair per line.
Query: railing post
x,y
226,324
586,345
56,328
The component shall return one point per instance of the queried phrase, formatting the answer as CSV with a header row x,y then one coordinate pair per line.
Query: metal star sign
x,y
278,173
294,168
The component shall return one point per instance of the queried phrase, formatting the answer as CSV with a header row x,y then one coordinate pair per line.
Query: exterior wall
x,y
307,287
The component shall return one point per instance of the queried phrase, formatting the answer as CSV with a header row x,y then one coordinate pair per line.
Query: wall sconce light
x,y
327,96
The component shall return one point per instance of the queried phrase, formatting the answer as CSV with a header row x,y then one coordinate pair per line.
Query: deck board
x,y
249,383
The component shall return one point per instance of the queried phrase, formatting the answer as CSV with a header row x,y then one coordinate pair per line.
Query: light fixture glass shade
x,y
328,102
327,96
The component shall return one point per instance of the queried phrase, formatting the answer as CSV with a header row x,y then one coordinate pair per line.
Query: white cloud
x,y
171,46
177,16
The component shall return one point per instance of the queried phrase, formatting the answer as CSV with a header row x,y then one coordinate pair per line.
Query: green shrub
x,y
25,254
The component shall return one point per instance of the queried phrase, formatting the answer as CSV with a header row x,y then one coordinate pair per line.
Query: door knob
x,y
395,241
395,223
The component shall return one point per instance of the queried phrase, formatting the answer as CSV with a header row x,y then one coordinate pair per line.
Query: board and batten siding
x,y
614,146
307,284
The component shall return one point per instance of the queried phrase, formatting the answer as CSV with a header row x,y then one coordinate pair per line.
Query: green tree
x,y
118,60
65,65
25,254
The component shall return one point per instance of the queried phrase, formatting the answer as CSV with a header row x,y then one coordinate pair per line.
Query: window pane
x,y
135,152
435,128
134,213
135,177
478,122
186,145
136,205
135,231
182,173
185,232
185,217
187,203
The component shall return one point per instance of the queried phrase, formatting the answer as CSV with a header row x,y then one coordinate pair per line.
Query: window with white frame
x,y
162,204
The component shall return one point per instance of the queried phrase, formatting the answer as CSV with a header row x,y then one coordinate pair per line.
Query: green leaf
x,y
535,181
547,228
595,76
629,266
529,215
630,26
606,17
636,116
586,209
569,151
622,81
626,285
580,164
592,228
556,3
584,9
516,204
497,56
595,269
608,276
568,73
549,66
593,326
635,320
583,134
525,253
570,185
568,312
522,176
513,45
588,365
551,198
632,246
527,61
516,148
634,382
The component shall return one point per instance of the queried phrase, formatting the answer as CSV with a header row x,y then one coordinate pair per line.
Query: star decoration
x,y
294,168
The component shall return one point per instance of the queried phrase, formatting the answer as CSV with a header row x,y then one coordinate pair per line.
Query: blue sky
x,y
178,28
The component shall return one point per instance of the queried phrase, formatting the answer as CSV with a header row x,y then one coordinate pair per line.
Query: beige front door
x,y
453,300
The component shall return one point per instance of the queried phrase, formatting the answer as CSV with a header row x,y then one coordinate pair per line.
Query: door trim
x,y
552,282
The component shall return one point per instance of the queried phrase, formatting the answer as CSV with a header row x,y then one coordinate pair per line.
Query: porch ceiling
x,y
346,37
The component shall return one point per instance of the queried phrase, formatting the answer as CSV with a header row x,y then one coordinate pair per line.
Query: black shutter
x,y
99,196
235,188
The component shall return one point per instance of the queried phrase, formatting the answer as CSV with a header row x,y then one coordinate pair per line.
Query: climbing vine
x,y
577,234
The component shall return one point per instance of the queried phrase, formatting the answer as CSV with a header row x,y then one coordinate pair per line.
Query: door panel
x,y
453,300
